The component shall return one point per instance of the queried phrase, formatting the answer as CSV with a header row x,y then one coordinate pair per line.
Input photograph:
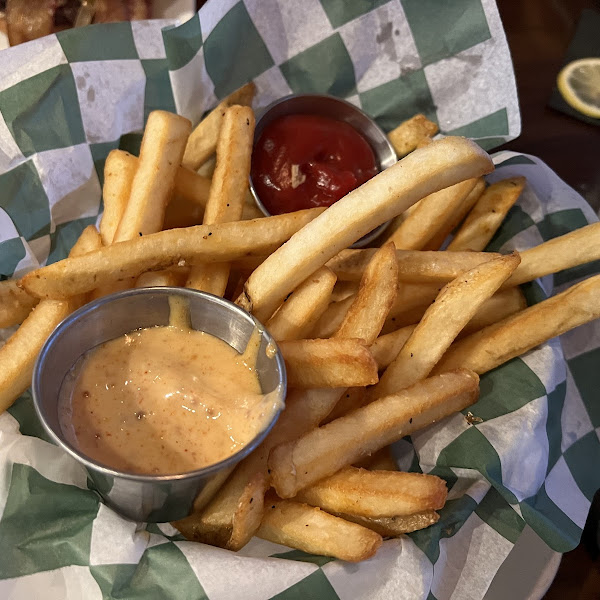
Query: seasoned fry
x,y
432,214
490,347
227,191
18,355
15,303
162,147
501,305
202,142
353,398
119,171
331,363
487,215
297,315
414,266
313,530
570,250
332,318
386,347
396,526
324,450
408,134
456,304
203,243
376,493
194,188
441,164
375,297
457,217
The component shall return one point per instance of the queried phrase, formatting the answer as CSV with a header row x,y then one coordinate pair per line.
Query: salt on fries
x,y
428,321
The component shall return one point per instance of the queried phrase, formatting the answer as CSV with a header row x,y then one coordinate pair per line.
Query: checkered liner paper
x,y
67,100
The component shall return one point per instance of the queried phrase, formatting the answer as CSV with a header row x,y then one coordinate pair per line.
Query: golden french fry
x,y
376,493
315,531
375,297
441,164
194,188
332,318
456,304
414,266
501,305
193,245
570,250
386,347
18,355
406,137
433,212
227,191
382,460
297,315
490,347
352,399
202,142
487,215
162,147
323,451
15,303
395,526
164,278
119,171
226,526
211,489
331,363
412,295
345,289
457,217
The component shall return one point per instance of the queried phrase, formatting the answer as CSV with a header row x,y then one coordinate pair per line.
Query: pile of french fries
x,y
378,342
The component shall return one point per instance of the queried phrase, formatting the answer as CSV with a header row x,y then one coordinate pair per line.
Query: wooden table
x,y
539,32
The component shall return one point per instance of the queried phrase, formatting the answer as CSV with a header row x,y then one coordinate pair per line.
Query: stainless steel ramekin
x,y
335,108
154,498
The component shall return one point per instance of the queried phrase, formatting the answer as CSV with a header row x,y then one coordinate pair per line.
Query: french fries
x,y
325,450
162,147
313,530
15,303
487,215
337,488
18,355
494,345
455,306
227,191
331,363
297,315
376,493
430,216
193,245
441,164
406,137
202,142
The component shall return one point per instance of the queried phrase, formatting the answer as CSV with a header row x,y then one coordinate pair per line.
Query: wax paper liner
x,y
67,100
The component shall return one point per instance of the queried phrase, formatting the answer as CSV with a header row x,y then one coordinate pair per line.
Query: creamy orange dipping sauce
x,y
163,400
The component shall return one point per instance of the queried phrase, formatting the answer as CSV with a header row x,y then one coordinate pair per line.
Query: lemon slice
x,y
579,84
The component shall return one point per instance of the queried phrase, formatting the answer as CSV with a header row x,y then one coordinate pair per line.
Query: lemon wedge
x,y
579,84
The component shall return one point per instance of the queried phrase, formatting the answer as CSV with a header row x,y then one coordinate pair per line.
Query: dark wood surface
x,y
538,33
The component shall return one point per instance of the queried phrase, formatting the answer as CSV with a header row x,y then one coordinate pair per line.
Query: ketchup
x,y
302,161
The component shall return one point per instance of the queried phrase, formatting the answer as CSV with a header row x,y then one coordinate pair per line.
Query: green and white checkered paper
x,y
67,100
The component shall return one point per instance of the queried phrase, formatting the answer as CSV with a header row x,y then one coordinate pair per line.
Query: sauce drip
x,y
302,161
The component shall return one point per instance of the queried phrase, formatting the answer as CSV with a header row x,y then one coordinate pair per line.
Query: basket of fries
x,y
441,382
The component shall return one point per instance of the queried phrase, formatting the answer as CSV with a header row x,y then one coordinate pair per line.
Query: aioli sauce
x,y
164,400
301,161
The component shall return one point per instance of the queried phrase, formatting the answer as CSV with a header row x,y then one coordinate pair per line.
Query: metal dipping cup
x,y
335,108
154,498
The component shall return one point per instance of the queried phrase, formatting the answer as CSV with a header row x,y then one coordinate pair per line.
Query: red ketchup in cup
x,y
302,161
